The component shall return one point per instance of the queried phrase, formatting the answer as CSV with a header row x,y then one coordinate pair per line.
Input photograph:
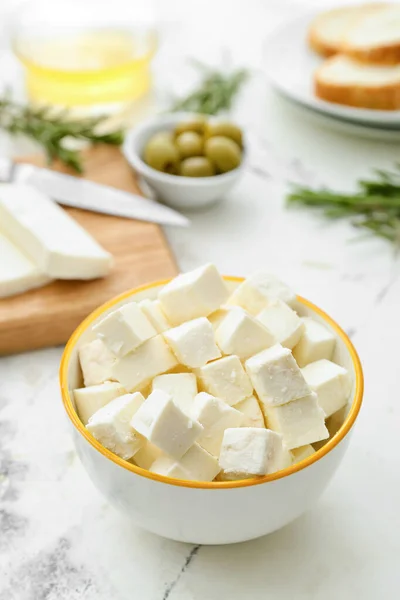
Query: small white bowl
x,y
176,191
208,512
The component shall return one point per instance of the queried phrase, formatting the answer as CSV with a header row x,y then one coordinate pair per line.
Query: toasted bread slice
x,y
344,81
375,37
327,30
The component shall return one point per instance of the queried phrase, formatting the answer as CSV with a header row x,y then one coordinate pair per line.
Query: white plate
x,y
290,66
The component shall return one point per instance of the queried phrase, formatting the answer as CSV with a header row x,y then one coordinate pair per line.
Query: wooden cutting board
x,y
47,316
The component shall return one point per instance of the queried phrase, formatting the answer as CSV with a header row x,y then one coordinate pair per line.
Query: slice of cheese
x,y
17,272
43,230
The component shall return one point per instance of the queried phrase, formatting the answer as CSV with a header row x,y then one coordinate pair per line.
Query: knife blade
x,y
89,195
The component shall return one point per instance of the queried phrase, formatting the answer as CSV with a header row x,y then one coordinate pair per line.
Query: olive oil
x,y
99,71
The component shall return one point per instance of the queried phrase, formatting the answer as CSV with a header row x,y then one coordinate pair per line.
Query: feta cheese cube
x,y
181,386
259,290
146,455
241,334
135,370
110,425
193,342
217,316
284,324
196,465
153,311
276,377
163,424
226,379
89,400
124,329
194,294
301,453
96,362
251,410
331,383
316,342
251,451
215,416
300,422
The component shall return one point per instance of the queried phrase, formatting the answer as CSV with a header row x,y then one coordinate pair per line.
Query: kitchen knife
x,y
88,195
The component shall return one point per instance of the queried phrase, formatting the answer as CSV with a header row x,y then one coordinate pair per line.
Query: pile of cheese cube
x,y
200,385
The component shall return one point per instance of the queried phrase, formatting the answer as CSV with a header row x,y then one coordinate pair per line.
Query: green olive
x,y
197,166
189,143
223,152
197,124
161,154
226,129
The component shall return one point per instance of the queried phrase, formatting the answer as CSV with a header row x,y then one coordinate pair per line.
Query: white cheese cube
x,y
163,424
251,410
96,362
147,454
226,379
45,232
89,400
301,453
331,383
196,465
259,290
284,324
276,377
135,370
111,425
215,416
216,317
193,342
250,452
316,342
194,294
124,329
181,386
153,311
18,273
300,422
241,334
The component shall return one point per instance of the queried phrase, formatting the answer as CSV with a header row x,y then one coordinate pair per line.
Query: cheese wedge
x,y
345,81
375,37
327,30
17,272
43,231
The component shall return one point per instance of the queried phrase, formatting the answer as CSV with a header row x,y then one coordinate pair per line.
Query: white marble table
x,y
59,539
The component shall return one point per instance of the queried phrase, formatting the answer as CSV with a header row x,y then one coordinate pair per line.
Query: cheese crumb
x,y
110,425
193,342
316,343
163,424
276,377
226,379
215,416
195,294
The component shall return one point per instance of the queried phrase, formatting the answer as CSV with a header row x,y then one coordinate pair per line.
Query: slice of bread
x,y
327,30
375,37
344,81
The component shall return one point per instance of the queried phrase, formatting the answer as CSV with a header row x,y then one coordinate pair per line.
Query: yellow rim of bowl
x,y
332,443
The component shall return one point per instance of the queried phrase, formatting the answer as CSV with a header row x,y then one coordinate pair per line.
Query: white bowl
x,y
203,512
176,191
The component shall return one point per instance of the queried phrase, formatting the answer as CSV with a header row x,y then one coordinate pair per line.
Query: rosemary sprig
x,y
374,207
215,93
52,130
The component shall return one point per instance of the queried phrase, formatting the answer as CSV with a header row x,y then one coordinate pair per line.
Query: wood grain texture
x,y
47,316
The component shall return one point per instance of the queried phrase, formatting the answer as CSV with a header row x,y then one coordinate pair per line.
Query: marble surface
x,y
58,537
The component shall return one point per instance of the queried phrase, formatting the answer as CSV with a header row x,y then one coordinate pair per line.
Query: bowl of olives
x,y
189,160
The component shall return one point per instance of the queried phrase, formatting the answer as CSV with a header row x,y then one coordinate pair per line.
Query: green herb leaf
x,y
51,129
374,207
215,92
